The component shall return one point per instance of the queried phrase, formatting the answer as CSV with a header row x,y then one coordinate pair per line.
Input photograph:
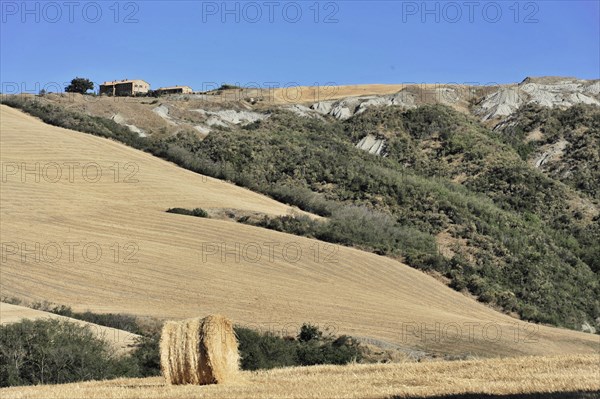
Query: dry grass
x,y
351,291
122,341
308,95
325,92
199,351
497,376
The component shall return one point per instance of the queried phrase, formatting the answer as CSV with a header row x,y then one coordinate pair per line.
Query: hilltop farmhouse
x,y
137,87
125,87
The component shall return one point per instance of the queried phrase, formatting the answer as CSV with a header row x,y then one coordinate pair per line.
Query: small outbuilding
x,y
175,90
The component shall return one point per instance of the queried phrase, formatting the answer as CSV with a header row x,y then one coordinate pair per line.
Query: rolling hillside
x,y
129,255
121,340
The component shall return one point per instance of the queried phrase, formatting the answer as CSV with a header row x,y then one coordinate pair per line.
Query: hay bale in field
x,y
199,351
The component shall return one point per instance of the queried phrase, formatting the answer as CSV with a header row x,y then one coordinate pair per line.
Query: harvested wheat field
x,y
496,376
329,91
291,93
101,240
122,341
309,95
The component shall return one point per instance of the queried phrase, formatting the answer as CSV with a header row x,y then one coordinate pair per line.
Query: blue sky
x,y
282,43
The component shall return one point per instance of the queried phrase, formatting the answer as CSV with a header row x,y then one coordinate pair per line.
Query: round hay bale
x,y
199,351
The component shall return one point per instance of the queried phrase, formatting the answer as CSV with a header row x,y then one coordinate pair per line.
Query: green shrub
x,y
363,228
343,350
227,86
11,300
197,212
56,352
146,355
308,332
303,198
266,351
114,320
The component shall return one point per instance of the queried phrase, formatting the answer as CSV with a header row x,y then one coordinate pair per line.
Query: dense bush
x,y
579,126
56,352
114,320
227,86
363,228
310,347
146,355
302,197
264,351
197,212
342,350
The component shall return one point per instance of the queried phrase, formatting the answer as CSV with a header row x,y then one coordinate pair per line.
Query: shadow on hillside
x,y
558,395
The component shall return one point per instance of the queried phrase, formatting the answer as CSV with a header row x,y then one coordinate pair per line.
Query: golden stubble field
x,y
97,237
498,376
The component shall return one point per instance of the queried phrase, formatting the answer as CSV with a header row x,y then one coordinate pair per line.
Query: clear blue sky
x,y
285,42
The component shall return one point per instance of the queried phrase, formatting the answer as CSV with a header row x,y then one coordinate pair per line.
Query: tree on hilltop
x,y
79,85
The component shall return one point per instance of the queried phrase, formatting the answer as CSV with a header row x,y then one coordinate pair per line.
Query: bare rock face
x,y
586,327
346,108
304,111
163,111
122,121
371,144
504,102
547,92
202,129
323,107
226,117
552,152
223,117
